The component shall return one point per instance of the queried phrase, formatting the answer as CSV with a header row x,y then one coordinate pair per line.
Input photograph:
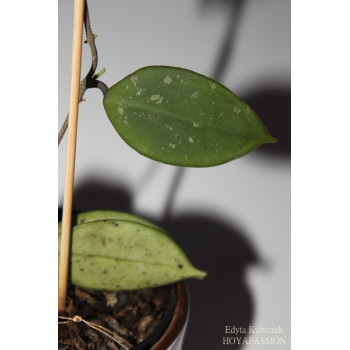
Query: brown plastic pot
x,y
170,332
173,336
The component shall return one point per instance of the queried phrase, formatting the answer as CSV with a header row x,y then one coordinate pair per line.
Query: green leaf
x,y
125,255
99,215
180,117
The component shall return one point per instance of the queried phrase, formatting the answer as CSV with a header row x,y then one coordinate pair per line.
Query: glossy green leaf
x,y
125,255
180,117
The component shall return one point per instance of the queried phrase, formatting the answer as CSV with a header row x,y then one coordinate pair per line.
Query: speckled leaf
x,y
180,117
124,255
98,215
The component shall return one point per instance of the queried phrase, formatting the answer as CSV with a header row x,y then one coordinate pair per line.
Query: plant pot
x,y
176,323
172,338
167,335
170,333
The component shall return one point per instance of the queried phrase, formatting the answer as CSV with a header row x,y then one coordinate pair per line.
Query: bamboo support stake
x,y
71,148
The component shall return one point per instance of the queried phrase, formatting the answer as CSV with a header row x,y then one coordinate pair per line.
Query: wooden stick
x,y
70,162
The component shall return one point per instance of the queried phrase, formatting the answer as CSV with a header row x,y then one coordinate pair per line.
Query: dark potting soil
x,y
138,317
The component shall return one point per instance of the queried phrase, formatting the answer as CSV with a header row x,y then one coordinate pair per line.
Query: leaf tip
x,y
199,274
271,139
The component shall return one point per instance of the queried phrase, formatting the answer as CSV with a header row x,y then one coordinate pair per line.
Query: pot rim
x,y
177,321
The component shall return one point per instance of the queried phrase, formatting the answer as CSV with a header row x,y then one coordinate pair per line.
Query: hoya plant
x,y
174,116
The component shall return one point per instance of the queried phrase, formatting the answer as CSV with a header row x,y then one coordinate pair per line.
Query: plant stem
x,y
89,80
72,133
63,129
102,86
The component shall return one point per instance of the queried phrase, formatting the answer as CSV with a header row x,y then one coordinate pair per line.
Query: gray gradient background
x,y
232,220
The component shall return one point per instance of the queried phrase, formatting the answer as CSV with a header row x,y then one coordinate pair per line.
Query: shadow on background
x,y
226,53
94,195
273,105
222,298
